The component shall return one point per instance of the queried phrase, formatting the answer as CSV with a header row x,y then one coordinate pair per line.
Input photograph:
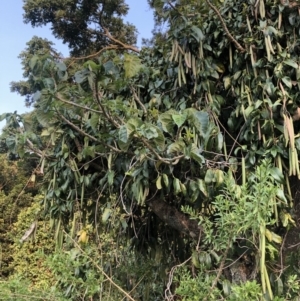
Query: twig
x,y
138,100
58,96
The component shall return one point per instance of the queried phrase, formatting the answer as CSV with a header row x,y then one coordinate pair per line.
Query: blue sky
x,y
14,34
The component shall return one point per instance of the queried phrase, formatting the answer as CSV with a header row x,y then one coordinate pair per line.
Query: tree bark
x,y
176,219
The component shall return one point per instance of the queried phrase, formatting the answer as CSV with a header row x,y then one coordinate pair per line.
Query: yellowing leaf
x,y
83,238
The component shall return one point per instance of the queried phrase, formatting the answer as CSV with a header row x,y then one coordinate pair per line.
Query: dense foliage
x,y
167,171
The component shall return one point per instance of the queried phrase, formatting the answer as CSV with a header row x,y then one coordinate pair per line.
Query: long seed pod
x,y
288,187
253,61
262,248
249,25
179,77
296,162
177,55
82,195
268,284
243,171
279,162
279,48
172,52
201,56
187,59
291,132
270,44
268,49
230,56
182,74
179,71
180,49
262,10
194,65
279,20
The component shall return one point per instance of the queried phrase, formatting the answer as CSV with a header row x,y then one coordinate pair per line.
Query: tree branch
x,y
229,35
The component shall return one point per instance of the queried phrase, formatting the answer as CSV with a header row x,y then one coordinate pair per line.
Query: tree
x,y
82,24
193,142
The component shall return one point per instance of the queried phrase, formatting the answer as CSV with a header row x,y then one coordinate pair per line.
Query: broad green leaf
x,y
148,131
179,119
197,157
133,124
200,120
167,122
93,121
132,65
49,83
209,176
197,33
33,61
123,134
91,65
160,139
176,186
61,66
176,147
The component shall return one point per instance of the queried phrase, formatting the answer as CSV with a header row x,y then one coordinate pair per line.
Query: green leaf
x,y
200,120
91,65
202,187
176,186
197,33
209,176
195,154
291,63
277,174
61,66
132,65
158,183
148,131
133,124
4,116
281,196
179,119
287,81
106,214
167,122
110,177
176,147
33,61
160,139
123,134
227,82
